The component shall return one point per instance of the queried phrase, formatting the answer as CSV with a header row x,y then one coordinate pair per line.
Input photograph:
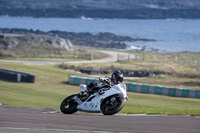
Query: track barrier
x,y
144,88
15,76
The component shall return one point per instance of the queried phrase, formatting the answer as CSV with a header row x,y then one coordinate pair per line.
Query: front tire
x,y
112,105
69,105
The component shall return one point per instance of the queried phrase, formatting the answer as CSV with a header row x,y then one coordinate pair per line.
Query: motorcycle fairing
x,y
93,103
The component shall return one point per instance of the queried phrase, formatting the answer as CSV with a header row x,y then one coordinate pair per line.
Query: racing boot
x,y
83,93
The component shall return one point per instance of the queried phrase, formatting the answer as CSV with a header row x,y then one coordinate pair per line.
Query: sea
x,y
171,35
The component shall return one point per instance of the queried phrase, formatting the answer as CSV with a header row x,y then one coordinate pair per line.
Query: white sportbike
x,y
107,99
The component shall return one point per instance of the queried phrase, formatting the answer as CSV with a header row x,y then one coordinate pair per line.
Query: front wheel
x,y
69,105
112,105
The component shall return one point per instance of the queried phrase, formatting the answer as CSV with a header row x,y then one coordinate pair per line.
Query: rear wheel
x,y
112,105
69,105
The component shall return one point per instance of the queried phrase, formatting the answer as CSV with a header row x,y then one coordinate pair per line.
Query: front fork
x,y
78,100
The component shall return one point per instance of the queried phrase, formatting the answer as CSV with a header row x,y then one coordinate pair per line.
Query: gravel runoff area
x,y
44,120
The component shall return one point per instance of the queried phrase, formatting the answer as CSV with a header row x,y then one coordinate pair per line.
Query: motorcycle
x,y
106,99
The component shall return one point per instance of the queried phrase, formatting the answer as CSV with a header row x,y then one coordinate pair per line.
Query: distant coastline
x,y
100,40
122,9
105,14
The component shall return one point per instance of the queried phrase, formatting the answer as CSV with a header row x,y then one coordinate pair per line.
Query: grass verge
x,y
26,52
183,68
51,88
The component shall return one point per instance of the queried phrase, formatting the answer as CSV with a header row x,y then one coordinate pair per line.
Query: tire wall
x,y
145,88
15,76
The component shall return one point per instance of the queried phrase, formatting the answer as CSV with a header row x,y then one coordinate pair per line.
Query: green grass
x,y
51,88
155,104
183,68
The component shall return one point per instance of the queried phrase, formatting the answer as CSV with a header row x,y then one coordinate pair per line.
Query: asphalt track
x,y
41,120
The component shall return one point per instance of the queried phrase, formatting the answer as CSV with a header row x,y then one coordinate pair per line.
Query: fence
x,y
15,76
144,88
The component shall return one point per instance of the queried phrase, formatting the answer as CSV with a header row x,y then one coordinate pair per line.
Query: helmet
x,y
117,77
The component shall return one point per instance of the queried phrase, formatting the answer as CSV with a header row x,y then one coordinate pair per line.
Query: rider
x,y
115,78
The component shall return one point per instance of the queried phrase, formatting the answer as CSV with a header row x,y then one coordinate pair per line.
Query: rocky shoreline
x,y
100,40
11,41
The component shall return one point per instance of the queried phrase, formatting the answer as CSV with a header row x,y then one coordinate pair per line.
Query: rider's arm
x,y
105,81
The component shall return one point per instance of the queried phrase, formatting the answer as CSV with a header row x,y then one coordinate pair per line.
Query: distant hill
x,y
132,9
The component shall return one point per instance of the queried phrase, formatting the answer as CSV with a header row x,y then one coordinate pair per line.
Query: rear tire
x,y
68,105
112,105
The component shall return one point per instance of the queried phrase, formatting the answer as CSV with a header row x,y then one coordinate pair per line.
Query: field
x,y
31,52
183,68
51,88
